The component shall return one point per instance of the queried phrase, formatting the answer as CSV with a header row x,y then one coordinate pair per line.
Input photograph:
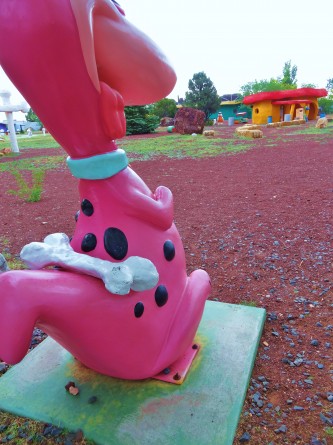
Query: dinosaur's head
x,y
77,63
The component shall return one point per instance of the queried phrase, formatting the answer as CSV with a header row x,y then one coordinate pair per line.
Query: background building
x,y
277,106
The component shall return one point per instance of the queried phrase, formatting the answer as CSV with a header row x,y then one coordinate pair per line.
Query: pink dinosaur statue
x,y
86,62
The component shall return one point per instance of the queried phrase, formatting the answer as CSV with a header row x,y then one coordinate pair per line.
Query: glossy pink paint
x,y
86,61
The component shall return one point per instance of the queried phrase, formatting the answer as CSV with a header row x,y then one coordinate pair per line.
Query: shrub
x,y
139,121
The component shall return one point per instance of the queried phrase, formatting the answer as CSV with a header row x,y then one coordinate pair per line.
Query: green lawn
x,y
170,145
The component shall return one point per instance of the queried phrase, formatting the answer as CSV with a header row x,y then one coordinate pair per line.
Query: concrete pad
x,y
205,409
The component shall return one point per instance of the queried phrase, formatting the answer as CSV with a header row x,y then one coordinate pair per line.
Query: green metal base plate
x,y
205,409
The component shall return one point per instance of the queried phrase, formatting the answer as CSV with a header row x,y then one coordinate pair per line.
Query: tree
x,y
329,86
139,120
286,82
32,117
165,108
202,94
289,75
326,103
308,85
258,86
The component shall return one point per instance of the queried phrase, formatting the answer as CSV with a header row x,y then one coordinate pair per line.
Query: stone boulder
x,y
189,121
167,121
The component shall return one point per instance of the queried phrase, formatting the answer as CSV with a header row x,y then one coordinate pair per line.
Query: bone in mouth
x,y
134,273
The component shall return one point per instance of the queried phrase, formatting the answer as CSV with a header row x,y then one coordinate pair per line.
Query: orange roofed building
x,y
275,106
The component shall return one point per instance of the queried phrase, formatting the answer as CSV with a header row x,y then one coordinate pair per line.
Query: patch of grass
x,y
36,141
12,261
250,303
12,427
21,431
4,242
30,193
329,431
314,130
42,162
180,146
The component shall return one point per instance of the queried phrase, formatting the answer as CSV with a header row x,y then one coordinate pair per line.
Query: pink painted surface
x,y
90,61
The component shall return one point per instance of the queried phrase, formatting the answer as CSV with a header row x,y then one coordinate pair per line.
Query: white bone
x,y
135,273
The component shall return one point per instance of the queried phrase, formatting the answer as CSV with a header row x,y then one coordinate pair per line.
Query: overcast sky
x,y
235,42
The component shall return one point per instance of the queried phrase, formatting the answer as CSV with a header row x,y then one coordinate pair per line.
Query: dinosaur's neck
x,y
100,166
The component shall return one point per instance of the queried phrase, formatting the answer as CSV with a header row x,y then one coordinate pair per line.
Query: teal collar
x,y
100,166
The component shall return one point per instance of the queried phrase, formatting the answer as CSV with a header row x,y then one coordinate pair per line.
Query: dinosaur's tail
x,y
17,320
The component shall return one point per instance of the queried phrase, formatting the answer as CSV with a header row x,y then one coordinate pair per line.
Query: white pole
x,y
12,132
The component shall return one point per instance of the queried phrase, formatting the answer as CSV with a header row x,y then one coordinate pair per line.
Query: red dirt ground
x,y
260,222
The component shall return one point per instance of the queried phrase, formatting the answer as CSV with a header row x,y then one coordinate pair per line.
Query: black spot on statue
x,y
169,250
161,295
77,214
89,242
139,309
115,243
87,208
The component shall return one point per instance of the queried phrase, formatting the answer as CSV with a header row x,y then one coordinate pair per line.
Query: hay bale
x,y
209,133
298,121
249,133
251,127
257,133
322,122
274,125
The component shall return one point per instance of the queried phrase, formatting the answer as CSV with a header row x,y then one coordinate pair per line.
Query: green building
x,y
230,106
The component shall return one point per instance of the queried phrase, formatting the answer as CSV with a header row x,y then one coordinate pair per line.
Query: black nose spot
x,y
115,243
169,250
89,242
87,207
139,309
161,295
